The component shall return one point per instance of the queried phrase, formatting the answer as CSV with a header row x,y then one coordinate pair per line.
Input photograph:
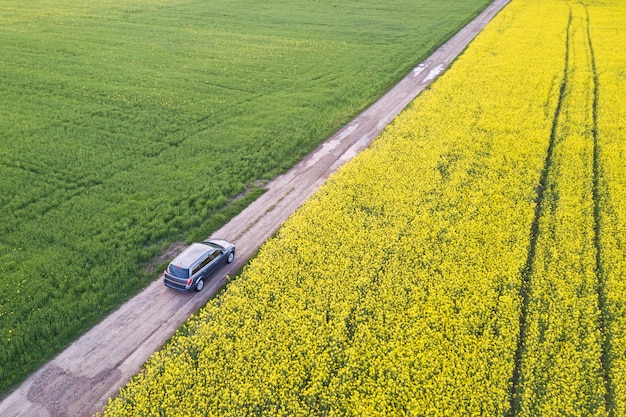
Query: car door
x,y
216,261
201,270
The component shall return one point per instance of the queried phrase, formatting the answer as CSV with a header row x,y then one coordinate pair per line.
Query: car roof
x,y
187,257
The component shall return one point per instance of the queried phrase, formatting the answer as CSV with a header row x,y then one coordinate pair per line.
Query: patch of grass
x,y
128,125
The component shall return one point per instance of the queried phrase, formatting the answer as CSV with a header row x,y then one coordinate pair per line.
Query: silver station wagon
x,y
196,263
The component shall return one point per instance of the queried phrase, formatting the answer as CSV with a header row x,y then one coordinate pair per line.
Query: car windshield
x,y
178,272
212,244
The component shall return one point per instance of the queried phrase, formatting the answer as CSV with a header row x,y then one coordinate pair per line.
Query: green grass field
x,y
126,125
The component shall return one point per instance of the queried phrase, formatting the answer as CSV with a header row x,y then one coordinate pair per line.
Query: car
x,y
194,265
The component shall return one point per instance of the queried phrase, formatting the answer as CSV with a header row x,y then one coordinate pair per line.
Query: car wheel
x,y
199,284
230,258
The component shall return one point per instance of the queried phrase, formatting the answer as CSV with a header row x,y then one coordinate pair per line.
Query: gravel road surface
x,y
79,380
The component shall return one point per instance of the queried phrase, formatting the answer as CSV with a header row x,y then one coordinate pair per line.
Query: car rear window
x,y
178,272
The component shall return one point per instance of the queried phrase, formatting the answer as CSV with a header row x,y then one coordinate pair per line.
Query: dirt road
x,y
79,381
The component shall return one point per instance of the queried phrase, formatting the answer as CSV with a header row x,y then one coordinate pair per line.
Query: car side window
x,y
215,254
205,262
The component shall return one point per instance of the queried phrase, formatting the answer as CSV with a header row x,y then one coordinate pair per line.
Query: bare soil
x,y
79,380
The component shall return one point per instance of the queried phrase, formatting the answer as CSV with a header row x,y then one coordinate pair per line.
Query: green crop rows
x,y
126,125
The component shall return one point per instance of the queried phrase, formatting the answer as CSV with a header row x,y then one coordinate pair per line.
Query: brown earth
x,y
79,380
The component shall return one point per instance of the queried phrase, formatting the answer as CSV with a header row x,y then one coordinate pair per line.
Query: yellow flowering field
x,y
470,262
607,23
561,363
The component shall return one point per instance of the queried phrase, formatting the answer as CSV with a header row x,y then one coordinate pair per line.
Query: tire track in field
x,y
534,232
600,276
